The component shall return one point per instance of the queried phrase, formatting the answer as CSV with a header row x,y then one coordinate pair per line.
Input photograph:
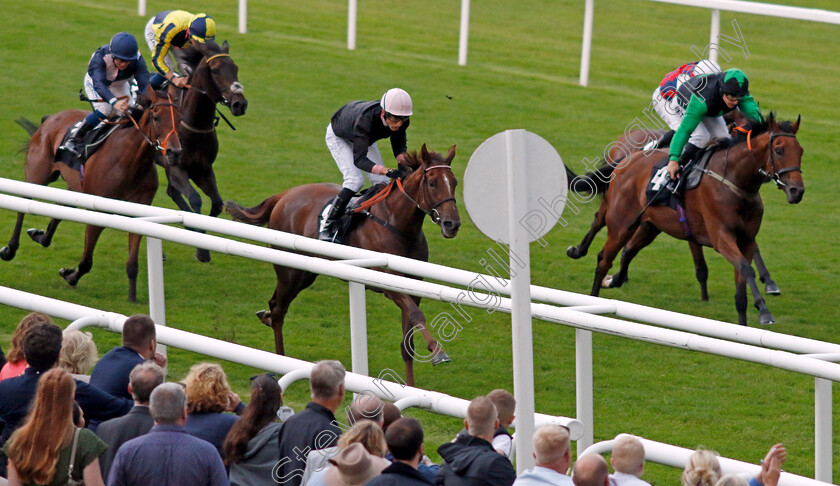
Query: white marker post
x,y
517,199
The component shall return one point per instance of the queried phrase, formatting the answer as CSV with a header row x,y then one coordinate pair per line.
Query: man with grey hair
x,y
167,454
552,455
313,428
591,470
471,459
143,379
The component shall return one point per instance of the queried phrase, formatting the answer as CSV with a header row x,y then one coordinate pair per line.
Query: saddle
x,y
350,218
662,191
88,145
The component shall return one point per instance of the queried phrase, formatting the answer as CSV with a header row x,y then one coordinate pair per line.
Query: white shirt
x,y
624,479
542,476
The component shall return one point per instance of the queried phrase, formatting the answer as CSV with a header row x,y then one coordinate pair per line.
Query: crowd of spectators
x,y
124,425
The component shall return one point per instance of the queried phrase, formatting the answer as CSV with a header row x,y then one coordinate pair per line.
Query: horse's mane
x,y
755,128
193,55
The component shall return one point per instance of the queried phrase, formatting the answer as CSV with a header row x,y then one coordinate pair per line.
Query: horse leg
x,y
764,315
643,237
607,254
412,321
44,238
740,258
131,265
581,250
91,237
8,252
207,183
701,270
290,283
770,287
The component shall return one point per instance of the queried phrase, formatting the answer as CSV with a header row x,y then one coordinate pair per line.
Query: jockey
x,y
108,83
664,96
351,138
178,29
702,102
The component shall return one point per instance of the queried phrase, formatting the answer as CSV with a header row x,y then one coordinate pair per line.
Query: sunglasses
x,y
270,374
396,118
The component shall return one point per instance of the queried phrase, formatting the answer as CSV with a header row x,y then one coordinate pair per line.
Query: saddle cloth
x,y
88,146
661,189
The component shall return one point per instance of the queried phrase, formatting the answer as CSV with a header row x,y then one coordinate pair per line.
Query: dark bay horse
x,y
634,141
724,212
123,168
395,226
214,80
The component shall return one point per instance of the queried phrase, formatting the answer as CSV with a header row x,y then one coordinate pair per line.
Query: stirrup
x,y
70,148
328,234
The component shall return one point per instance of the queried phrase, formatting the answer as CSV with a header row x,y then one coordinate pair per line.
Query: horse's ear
x,y
225,47
424,153
450,155
795,126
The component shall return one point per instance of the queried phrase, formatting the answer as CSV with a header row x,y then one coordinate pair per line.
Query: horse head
x,y
784,159
160,121
435,187
217,76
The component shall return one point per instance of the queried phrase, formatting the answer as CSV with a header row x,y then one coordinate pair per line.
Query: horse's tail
x,y
258,215
30,128
595,182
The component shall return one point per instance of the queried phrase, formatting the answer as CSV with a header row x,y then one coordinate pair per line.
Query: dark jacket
x,y
399,474
360,123
313,428
212,427
111,372
471,461
118,431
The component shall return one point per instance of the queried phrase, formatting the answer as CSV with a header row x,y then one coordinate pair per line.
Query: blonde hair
x,y
207,388
78,351
505,405
35,448
551,442
732,480
701,469
367,433
481,416
15,353
628,454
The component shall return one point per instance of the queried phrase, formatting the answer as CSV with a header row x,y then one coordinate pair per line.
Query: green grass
x,y
522,72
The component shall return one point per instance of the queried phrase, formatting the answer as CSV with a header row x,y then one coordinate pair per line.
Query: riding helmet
x,y
202,28
396,102
124,46
735,83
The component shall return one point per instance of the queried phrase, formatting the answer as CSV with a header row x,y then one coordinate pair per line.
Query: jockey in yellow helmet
x,y
178,29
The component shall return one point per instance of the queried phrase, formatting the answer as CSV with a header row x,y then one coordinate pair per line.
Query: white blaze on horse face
x,y
236,88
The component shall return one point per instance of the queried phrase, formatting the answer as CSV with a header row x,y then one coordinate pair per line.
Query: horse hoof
x,y
766,319
67,274
35,234
572,252
770,288
441,357
607,282
265,317
7,254
202,255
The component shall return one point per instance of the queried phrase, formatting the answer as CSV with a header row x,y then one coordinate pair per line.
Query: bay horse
x,y
723,212
634,141
122,168
394,225
214,79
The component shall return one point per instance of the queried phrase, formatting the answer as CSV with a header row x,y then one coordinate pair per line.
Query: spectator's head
x,y
139,335
78,415
207,388
353,466
365,407
482,418
591,470
390,414
405,439
15,353
628,455
732,480
48,428
168,404
505,405
78,352
551,447
701,469
266,399
42,346
144,378
326,381
367,433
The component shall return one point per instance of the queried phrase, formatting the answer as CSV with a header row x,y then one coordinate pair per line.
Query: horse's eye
x,y
780,150
432,184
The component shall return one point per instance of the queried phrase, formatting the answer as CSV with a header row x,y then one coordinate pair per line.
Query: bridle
x,y
432,211
157,144
235,88
775,175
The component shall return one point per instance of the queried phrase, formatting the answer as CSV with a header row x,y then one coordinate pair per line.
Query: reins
x,y
224,102
157,146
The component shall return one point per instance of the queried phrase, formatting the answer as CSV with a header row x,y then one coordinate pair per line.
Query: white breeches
x,y
342,152
672,113
667,109
118,88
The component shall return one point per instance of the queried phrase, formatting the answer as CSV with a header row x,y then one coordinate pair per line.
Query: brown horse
x,y
214,80
394,225
123,168
634,141
724,212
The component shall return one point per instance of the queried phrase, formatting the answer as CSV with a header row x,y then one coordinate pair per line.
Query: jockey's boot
x,y
76,135
333,212
686,161
663,141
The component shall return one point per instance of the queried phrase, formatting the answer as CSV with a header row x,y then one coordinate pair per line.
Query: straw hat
x,y
354,466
